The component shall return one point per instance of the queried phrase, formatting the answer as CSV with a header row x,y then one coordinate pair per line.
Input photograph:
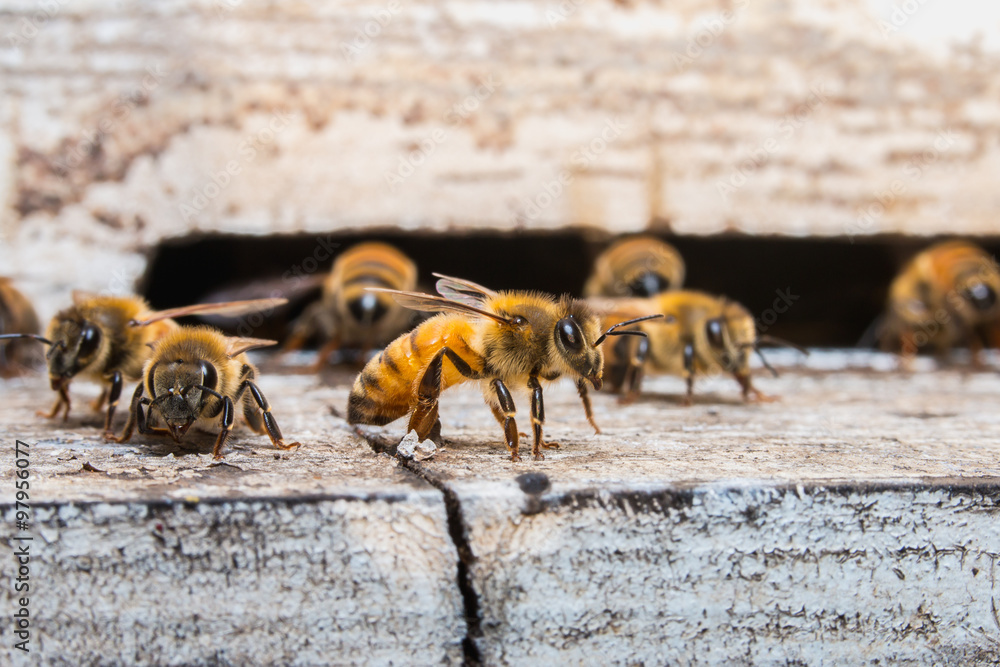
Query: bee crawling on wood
x,y
197,374
348,314
106,339
699,334
636,266
946,296
498,339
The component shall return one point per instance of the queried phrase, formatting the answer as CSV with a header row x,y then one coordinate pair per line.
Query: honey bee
x,y
17,316
348,314
498,339
106,339
197,374
636,266
698,335
944,297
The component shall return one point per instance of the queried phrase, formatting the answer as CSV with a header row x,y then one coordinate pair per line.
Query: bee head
x,y
75,344
575,341
180,391
730,337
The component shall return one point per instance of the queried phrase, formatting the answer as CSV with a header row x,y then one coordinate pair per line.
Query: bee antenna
x,y
40,339
763,360
207,390
773,340
611,330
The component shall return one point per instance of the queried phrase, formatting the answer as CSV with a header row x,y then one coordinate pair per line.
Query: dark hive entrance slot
x,y
816,292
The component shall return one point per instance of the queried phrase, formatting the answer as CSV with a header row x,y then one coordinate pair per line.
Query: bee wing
x,y
436,304
235,346
229,308
463,291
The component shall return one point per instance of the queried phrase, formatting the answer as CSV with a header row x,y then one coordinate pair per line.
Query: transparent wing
x,y
463,291
436,304
235,346
228,308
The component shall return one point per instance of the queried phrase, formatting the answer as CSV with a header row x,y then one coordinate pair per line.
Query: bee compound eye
x,y
569,334
649,284
981,295
209,376
713,331
90,339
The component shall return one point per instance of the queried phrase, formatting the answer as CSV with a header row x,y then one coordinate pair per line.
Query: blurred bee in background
x,y
700,334
944,297
348,314
106,339
636,266
197,374
498,339
17,316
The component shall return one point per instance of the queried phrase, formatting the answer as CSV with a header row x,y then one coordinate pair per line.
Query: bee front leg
x,y
273,432
61,400
750,393
136,416
689,373
581,388
113,394
633,376
537,419
227,425
508,411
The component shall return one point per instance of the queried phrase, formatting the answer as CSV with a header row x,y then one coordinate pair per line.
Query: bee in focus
x,y
348,314
636,266
944,297
17,316
198,374
106,339
700,334
501,340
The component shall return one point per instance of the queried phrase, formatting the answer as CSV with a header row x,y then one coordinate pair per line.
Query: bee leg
x,y
508,411
273,432
136,416
113,394
633,376
425,414
61,400
537,419
323,356
689,373
750,393
98,402
581,388
227,425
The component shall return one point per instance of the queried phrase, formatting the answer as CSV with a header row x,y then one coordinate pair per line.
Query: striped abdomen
x,y
371,265
386,388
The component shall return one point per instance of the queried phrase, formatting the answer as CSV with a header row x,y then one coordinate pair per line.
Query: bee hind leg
x,y
424,417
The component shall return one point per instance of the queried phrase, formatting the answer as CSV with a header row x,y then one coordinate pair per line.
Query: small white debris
x,y
410,447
